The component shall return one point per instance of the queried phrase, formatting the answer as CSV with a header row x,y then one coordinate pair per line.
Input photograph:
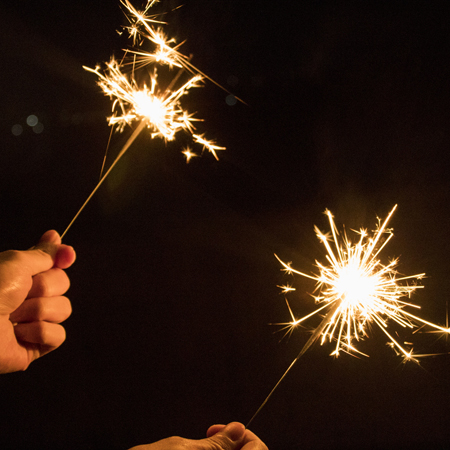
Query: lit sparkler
x,y
155,108
354,289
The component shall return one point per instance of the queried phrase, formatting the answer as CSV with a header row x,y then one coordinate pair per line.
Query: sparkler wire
x,y
127,145
313,338
359,290
159,110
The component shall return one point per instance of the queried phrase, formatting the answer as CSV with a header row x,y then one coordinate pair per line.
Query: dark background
x,y
175,284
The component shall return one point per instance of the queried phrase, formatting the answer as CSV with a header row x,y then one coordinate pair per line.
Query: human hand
x,y
32,305
233,436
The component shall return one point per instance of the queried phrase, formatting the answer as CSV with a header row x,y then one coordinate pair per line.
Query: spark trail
x,y
354,289
137,95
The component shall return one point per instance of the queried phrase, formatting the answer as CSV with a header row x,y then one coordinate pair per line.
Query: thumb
x,y
229,438
42,256
62,256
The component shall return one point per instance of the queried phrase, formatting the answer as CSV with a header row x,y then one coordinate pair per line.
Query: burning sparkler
x,y
156,108
355,289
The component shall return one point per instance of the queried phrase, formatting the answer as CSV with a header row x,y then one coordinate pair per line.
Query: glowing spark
x,y
161,111
164,51
354,290
189,154
360,289
160,108
287,268
210,145
138,96
286,288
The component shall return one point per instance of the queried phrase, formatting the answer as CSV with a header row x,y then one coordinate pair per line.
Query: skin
x,y
32,304
233,436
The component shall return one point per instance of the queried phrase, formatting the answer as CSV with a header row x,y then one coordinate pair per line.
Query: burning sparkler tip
x,y
160,108
143,99
360,290
355,290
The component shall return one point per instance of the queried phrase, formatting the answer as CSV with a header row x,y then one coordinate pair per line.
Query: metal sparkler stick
x,y
157,109
358,290
313,338
131,139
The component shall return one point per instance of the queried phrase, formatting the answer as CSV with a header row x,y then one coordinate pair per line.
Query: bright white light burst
x,y
355,289
132,83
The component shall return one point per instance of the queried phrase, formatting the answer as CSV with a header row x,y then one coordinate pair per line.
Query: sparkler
x,y
354,290
156,108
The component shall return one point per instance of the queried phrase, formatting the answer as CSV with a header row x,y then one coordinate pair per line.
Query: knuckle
x,y
176,443
50,283
41,331
41,285
60,280
12,255
39,310
11,268
53,310
14,259
43,251
216,443
52,335
219,446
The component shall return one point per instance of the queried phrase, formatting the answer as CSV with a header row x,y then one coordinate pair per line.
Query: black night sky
x,y
175,284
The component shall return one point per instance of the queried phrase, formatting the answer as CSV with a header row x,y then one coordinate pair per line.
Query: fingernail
x,y
234,431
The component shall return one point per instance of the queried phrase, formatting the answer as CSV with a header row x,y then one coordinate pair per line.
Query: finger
x,y
48,309
214,429
65,254
50,237
48,252
16,271
36,259
50,283
48,335
228,438
252,442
